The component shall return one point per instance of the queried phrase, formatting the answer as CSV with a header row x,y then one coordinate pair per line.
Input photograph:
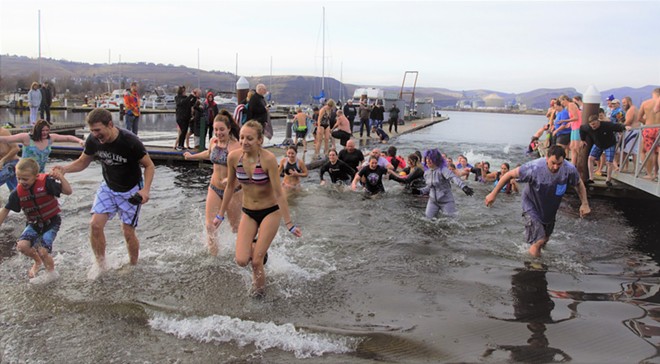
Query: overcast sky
x,y
503,46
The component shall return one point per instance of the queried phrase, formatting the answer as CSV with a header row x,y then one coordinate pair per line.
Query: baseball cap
x,y
610,98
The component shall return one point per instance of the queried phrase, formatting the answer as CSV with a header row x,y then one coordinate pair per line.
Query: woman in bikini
x,y
264,203
291,169
225,140
37,144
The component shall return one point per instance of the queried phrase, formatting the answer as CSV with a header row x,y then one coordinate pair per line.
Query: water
x,y
371,280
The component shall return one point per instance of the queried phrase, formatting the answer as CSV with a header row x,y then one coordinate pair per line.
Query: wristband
x,y
221,218
293,227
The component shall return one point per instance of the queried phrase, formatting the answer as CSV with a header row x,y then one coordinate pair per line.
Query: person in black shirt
x,y
184,105
371,177
413,175
603,135
351,156
339,171
123,189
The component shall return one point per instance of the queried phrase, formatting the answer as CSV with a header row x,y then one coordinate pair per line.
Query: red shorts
x,y
649,138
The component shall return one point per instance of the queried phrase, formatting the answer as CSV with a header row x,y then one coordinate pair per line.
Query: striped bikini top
x,y
259,176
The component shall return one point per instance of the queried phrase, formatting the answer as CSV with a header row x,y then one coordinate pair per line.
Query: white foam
x,y
263,336
45,278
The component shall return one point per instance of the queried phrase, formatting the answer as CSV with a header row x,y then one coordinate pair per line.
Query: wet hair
x,y
99,115
419,154
462,156
292,147
180,90
225,117
28,165
38,128
413,159
488,164
436,157
256,126
507,165
373,157
333,150
451,166
557,151
391,151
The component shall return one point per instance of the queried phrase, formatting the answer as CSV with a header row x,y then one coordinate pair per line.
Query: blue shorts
x,y
110,202
38,237
609,153
575,135
8,175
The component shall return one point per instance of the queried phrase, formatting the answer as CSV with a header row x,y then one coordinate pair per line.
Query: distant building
x,y
494,101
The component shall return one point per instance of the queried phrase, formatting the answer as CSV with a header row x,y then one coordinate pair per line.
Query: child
x,y
384,138
36,195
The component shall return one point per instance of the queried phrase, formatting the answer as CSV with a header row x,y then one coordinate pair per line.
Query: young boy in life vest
x,y
36,194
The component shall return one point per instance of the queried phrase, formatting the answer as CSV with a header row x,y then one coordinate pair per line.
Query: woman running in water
x,y
264,203
438,186
225,140
291,169
37,144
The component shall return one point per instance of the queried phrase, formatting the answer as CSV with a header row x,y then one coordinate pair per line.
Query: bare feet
x,y
535,249
34,270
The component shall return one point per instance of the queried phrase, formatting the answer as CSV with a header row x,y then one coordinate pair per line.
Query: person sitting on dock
x,y
37,144
8,160
123,190
547,180
225,140
604,140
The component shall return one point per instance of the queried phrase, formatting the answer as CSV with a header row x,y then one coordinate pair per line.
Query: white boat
x,y
159,99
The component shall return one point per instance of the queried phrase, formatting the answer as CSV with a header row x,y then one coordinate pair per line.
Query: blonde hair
x,y
28,165
256,126
35,83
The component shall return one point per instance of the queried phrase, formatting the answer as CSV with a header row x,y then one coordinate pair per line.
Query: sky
x,y
514,46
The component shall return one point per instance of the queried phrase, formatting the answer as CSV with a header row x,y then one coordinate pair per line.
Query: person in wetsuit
x,y
224,141
264,203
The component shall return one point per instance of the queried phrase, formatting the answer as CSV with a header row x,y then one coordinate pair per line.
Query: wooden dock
x,y
167,155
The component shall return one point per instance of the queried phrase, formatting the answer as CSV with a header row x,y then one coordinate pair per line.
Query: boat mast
x,y
39,21
323,56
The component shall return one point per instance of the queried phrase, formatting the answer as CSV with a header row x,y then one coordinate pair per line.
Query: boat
x,y
158,99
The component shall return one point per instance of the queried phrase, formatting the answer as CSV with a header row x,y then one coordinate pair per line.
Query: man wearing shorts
x,y
604,138
123,190
648,116
547,181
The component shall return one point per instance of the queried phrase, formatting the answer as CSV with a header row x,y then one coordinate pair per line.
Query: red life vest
x,y
36,203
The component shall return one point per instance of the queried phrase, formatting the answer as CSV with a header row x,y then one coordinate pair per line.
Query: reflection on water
x,y
370,279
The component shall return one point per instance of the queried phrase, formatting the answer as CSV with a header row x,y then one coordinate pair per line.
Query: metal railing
x,y
634,178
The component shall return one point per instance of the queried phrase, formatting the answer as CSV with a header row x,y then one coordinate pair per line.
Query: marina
x,y
371,280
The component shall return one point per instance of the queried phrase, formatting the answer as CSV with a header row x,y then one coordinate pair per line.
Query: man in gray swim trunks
x,y
547,180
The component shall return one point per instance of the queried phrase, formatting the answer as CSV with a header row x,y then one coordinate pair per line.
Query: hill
x,y
83,78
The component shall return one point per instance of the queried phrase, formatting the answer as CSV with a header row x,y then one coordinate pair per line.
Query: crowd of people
x,y
251,187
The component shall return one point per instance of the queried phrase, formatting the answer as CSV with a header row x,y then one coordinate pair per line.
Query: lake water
x,y
371,280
